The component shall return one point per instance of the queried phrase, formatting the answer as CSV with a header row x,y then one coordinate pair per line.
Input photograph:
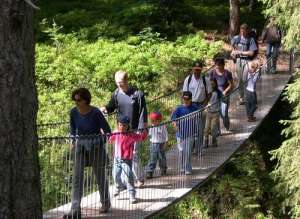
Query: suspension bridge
x,y
161,191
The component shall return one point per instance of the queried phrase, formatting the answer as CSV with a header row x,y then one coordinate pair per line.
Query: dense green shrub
x,y
69,63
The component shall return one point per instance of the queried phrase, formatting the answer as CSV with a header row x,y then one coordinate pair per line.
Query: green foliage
x,y
287,172
69,63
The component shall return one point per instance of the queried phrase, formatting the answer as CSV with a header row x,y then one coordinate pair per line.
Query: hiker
x,y
158,140
213,115
199,85
129,101
225,85
88,146
244,50
124,141
272,37
253,75
185,130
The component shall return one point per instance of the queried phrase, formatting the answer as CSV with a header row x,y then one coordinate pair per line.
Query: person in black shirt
x,y
129,101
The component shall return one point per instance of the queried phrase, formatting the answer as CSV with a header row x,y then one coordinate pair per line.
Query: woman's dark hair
x,y
84,93
219,61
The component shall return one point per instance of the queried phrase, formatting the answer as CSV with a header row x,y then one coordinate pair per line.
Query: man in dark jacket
x,y
272,36
129,101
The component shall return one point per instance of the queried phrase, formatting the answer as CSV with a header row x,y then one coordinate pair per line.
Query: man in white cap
x,y
129,101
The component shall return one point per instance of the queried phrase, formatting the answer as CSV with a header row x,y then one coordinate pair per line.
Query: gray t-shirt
x,y
244,44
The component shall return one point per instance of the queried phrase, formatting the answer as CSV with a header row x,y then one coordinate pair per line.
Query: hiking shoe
x,y
188,172
73,214
251,119
149,175
163,172
140,183
104,208
132,200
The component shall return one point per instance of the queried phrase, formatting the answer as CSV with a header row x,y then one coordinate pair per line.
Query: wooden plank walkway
x,y
160,192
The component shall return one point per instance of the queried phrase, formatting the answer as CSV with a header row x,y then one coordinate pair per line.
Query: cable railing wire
x,y
57,164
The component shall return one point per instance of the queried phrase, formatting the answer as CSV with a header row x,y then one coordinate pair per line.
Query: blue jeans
x,y
185,152
251,103
157,153
225,102
272,50
123,175
97,158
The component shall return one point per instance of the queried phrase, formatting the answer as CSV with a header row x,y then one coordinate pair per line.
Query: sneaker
x,y
140,183
188,172
104,208
73,214
242,102
149,175
116,192
163,172
251,119
132,200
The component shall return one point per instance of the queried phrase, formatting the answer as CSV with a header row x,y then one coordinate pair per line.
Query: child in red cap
x,y
158,138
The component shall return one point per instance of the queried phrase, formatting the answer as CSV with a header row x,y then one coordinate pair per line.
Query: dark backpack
x,y
274,34
204,83
213,77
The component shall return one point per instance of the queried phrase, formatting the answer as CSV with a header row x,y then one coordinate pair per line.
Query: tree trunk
x,y
234,21
20,196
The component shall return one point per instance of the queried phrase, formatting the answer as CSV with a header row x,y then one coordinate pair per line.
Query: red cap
x,y
155,116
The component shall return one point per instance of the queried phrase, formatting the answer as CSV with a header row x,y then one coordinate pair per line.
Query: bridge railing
x,y
87,162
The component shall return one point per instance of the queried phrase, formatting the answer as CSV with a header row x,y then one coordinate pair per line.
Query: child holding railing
x,y
213,115
124,141
158,138
253,75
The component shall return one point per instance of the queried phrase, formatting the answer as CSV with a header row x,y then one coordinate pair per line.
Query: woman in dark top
x,y
86,124
225,85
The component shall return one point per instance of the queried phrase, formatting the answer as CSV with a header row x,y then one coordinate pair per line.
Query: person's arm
x,y
145,112
72,129
264,35
185,83
230,84
111,106
103,123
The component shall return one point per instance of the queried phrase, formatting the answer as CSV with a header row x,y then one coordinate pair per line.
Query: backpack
x,y
252,35
213,73
274,35
204,83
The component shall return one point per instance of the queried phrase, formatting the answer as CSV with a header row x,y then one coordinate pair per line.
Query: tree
x,y
234,20
19,169
286,13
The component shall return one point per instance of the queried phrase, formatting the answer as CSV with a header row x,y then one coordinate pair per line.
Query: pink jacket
x,y
124,143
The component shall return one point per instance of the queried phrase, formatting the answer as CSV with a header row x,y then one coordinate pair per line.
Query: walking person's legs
x,y
99,159
77,182
138,170
154,149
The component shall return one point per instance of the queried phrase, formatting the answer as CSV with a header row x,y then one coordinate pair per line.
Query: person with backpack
x,y
129,101
245,49
213,114
199,85
271,35
224,81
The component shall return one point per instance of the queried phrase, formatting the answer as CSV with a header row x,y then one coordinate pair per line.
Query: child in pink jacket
x,y
123,153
